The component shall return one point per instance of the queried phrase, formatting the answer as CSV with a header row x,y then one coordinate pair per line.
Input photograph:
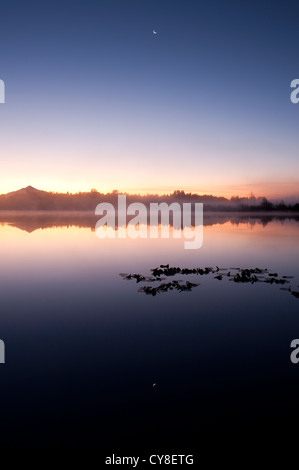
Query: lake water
x,y
84,347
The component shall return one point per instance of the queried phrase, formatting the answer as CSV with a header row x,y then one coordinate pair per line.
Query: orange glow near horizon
x,y
275,190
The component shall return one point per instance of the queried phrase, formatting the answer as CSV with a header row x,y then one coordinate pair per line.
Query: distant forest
x,y
33,199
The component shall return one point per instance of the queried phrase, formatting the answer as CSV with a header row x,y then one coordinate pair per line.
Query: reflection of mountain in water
x,y
34,220
31,221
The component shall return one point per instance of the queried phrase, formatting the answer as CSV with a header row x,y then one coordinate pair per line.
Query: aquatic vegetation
x,y
238,275
164,287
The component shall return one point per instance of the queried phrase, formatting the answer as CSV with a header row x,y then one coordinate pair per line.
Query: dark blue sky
x,y
94,99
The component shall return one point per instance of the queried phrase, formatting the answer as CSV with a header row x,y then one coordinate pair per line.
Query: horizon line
x,y
157,194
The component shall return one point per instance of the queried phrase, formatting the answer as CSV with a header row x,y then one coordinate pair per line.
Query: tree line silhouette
x,y
32,199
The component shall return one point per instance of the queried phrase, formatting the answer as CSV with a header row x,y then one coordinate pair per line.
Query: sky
x,y
94,99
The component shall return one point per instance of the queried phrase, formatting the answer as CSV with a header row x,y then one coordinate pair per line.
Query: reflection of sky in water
x,y
68,319
76,253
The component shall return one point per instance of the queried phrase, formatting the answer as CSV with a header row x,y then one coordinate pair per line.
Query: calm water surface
x,y
84,347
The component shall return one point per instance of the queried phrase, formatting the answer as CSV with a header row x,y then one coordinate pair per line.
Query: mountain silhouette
x,y
28,191
32,199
